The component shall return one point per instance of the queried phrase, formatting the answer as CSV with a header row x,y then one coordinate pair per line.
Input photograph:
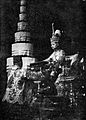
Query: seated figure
x,y
58,56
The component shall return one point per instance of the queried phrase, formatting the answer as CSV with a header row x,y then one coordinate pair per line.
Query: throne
x,y
69,82
72,68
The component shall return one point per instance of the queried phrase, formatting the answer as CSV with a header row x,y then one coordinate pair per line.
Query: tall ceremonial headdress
x,y
21,57
55,34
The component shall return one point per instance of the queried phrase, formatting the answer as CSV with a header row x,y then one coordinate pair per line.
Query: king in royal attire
x,y
58,55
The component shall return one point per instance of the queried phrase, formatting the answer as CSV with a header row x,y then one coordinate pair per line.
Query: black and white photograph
x,y
42,59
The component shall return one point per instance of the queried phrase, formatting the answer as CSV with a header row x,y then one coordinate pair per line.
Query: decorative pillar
x,y
22,56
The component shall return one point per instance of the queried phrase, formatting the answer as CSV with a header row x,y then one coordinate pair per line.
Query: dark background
x,y
68,16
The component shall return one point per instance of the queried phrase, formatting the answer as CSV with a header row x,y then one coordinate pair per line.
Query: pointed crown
x,y
55,34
